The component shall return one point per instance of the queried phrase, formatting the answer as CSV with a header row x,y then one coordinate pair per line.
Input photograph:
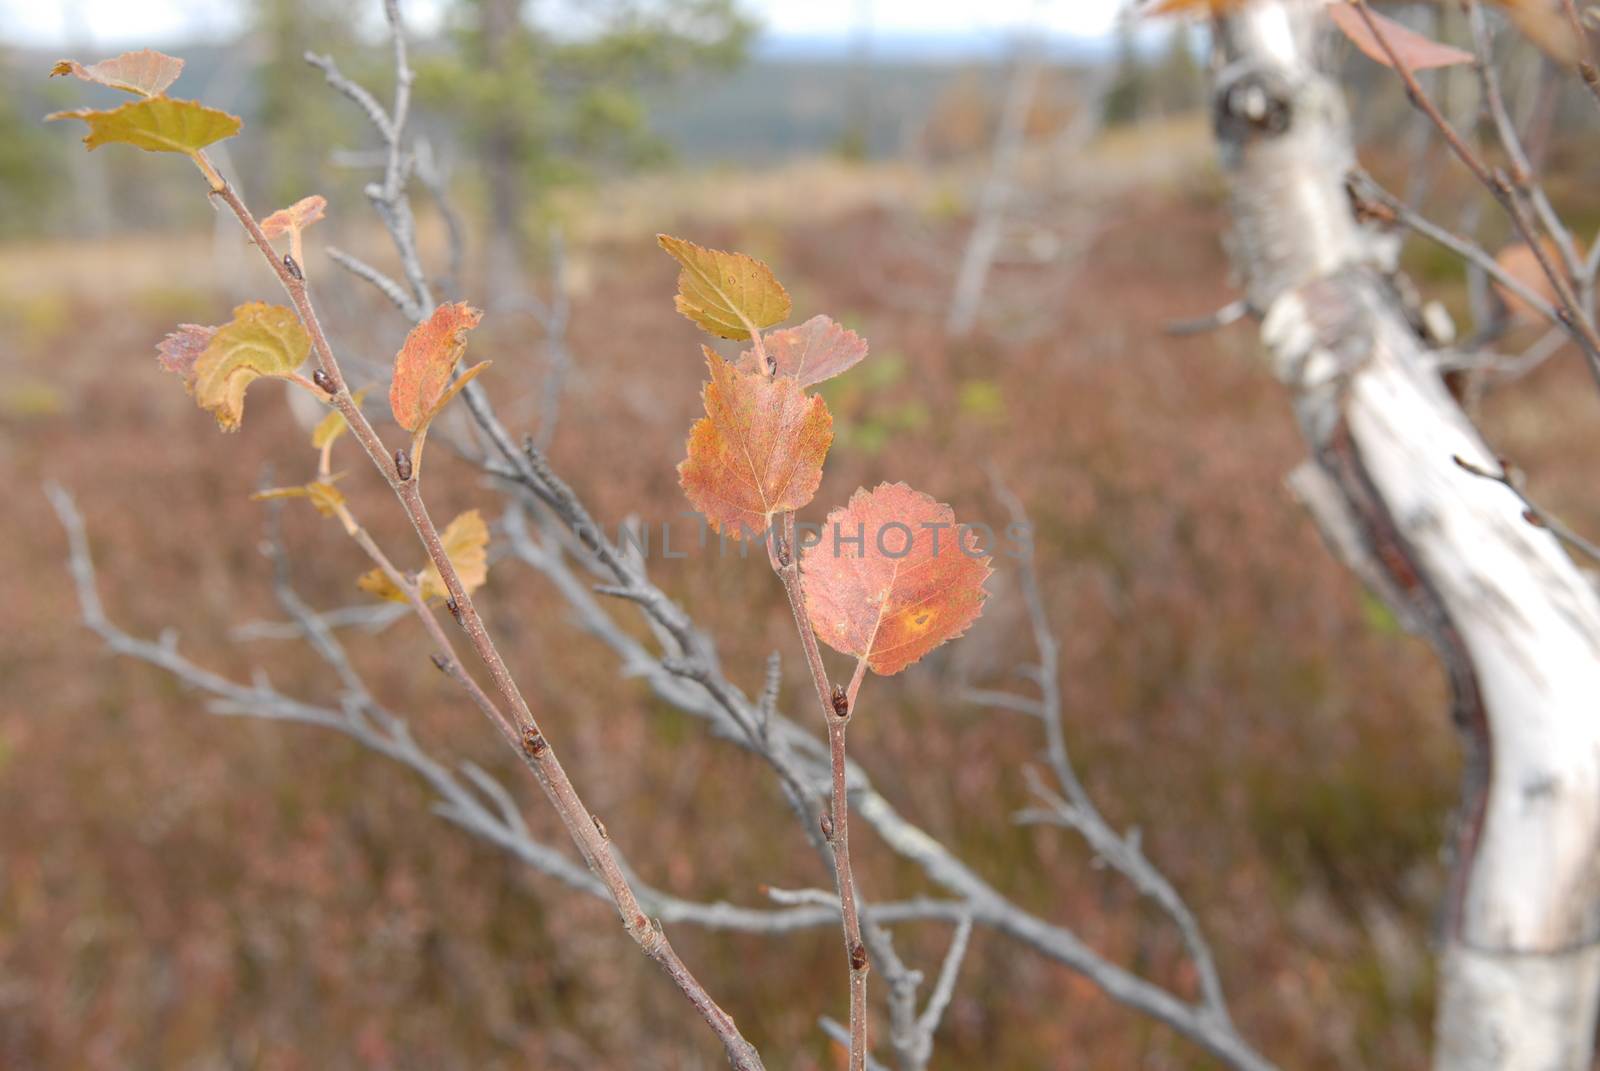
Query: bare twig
x,y
1532,512
1073,806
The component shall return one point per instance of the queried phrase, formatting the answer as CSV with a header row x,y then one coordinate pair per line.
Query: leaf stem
x,y
838,707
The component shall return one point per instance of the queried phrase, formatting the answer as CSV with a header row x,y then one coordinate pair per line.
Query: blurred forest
x,y
179,890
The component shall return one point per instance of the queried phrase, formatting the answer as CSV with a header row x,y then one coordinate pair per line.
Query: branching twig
x,y
1071,804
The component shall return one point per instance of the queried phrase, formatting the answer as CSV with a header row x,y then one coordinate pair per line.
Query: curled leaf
x,y
1417,52
179,351
323,495
297,217
423,366
892,577
465,541
333,425
756,452
816,350
158,124
727,294
261,340
146,72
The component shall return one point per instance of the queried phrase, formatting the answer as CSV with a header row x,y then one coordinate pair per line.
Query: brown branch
x,y
1587,69
525,734
838,706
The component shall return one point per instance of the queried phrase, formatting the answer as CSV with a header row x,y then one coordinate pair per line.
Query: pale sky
x,y
43,23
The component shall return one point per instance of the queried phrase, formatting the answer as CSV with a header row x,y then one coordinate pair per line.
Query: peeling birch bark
x,y
1513,620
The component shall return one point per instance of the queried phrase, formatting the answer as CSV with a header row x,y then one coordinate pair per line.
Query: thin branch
x,y
1074,807
1532,512
838,706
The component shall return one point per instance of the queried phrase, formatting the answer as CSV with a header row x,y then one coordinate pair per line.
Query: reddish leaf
x,y
146,73
816,350
912,582
1417,52
757,451
179,351
423,366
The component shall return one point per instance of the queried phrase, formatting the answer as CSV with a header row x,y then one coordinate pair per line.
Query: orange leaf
x,y
756,452
146,73
1417,52
423,366
911,582
816,350
297,217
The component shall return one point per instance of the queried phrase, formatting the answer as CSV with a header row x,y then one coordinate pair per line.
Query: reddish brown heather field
x,y
180,890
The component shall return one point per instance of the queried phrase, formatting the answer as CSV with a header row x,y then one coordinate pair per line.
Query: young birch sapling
x,y
218,365
878,583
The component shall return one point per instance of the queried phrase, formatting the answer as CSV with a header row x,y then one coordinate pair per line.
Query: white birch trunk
x,y
1514,621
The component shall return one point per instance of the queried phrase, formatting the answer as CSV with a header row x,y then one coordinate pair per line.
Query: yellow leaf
x,y
146,72
333,425
158,124
729,295
465,540
261,340
323,495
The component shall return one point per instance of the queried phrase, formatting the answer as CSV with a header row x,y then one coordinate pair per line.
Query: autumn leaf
x,y
816,350
323,495
911,582
179,351
146,73
261,340
757,451
297,217
422,368
465,541
1416,52
729,295
293,221
333,425
159,124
